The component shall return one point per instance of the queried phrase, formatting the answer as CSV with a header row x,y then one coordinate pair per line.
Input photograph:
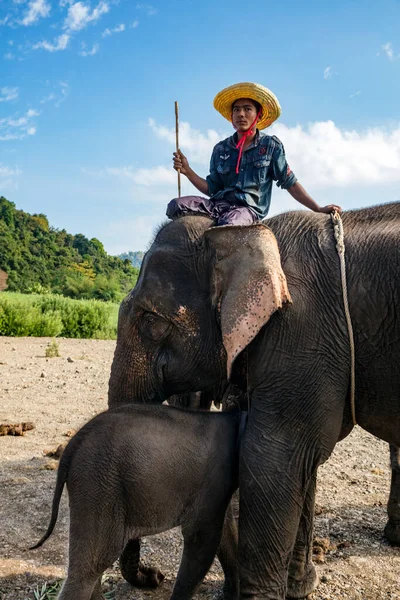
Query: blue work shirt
x,y
262,163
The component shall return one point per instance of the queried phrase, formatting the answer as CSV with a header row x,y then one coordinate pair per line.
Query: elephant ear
x,y
248,283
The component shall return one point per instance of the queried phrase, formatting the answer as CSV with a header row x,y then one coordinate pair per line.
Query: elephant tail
x,y
62,475
63,471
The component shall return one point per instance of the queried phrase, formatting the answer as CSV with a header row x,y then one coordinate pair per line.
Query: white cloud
x,y
388,50
145,177
324,155
18,127
357,93
134,24
37,9
9,177
60,43
56,93
126,234
94,50
80,15
328,72
64,89
7,94
9,171
118,29
148,8
9,56
48,98
198,144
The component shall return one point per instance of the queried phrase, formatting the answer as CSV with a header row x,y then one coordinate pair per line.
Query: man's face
x,y
244,112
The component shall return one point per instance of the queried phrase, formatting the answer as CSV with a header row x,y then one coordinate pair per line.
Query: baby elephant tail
x,y
62,475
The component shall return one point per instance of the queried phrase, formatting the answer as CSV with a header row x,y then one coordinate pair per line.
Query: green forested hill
x,y
39,258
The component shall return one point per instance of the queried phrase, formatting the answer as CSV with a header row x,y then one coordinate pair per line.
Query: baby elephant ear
x,y
248,282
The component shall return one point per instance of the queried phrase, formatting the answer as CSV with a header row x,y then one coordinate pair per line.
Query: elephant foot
x,y
301,588
392,532
143,577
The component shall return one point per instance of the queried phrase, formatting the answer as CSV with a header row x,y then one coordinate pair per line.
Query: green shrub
x,y
50,315
107,333
38,288
80,318
47,325
18,318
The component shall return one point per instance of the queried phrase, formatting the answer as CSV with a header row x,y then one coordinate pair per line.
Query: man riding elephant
x,y
244,165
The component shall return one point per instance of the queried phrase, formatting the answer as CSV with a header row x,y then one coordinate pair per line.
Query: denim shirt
x,y
262,162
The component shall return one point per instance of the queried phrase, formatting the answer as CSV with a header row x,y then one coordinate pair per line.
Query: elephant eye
x,y
154,327
150,318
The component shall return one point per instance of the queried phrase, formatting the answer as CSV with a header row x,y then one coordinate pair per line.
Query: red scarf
x,y
242,141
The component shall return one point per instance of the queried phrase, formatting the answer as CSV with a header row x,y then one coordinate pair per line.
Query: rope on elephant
x,y
340,247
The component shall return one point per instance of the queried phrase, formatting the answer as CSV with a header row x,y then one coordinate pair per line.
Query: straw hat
x,y
271,109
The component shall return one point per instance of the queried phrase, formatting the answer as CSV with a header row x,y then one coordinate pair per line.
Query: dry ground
x,y
59,395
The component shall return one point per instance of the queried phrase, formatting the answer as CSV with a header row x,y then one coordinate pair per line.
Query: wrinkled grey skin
x,y
140,470
170,341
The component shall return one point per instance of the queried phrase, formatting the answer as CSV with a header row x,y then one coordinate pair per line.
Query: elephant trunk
x,y
131,378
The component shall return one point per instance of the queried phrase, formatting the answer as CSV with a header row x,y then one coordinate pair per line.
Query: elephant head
x,y
202,296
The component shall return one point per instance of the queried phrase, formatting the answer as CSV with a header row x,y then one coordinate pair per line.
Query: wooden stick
x,y
177,144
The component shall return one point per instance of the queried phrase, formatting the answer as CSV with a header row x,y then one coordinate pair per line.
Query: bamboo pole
x,y
177,144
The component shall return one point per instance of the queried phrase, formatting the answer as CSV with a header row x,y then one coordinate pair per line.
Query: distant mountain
x,y
135,258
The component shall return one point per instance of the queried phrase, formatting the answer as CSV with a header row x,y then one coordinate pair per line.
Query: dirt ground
x,y
60,394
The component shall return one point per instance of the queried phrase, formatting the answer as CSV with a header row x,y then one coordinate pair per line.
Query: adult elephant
x,y
207,293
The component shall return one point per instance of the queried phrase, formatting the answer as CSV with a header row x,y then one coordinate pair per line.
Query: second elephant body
x,y
140,470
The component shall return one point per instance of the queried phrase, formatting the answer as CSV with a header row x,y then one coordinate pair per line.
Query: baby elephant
x,y
139,470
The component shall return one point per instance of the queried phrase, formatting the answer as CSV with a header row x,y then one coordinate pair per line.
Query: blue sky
x,y
87,93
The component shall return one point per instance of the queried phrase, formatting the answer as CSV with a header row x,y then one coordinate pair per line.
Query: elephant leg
x,y
136,573
392,529
199,549
228,555
81,588
276,469
303,578
91,551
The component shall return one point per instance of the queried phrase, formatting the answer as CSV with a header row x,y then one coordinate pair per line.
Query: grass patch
x,y
48,591
52,350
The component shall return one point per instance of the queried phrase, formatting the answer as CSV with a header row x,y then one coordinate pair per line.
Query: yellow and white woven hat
x,y
271,109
